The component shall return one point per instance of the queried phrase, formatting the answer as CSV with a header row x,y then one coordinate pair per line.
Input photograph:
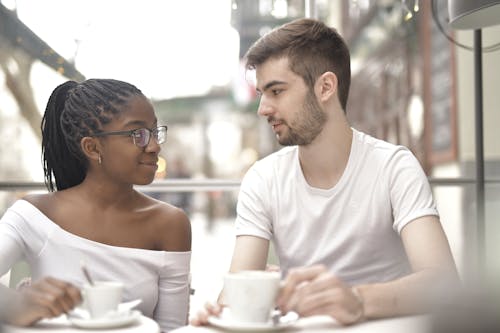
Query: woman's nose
x,y
153,145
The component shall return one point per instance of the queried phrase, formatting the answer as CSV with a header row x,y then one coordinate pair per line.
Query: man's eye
x,y
276,91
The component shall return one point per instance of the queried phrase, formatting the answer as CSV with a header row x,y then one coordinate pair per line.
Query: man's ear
x,y
91,148
326,86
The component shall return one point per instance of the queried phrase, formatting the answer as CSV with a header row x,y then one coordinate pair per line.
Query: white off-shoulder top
x,y
159,278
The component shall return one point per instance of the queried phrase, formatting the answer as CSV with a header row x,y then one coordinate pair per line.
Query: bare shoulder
x,y
40,200
171,225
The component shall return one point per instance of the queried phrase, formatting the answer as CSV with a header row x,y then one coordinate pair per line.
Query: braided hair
x,y
74,111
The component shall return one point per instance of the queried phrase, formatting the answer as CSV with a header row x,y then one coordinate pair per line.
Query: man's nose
x,y
265,108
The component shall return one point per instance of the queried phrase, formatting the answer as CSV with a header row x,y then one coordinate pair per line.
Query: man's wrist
x,y
361,302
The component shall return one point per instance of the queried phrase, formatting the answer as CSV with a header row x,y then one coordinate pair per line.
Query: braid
x,y
74,111
55,153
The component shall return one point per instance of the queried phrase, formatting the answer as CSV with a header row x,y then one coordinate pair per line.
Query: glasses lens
x,y
141,137
161,134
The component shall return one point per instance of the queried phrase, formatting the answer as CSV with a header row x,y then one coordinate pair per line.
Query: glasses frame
x,y
133,132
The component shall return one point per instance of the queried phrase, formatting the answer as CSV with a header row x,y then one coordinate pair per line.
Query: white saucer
x,y
117,320
225,321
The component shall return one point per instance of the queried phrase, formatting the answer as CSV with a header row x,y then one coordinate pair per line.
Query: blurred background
x,y
413,84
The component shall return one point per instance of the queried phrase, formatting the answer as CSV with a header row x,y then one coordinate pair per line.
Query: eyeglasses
x,y
141,136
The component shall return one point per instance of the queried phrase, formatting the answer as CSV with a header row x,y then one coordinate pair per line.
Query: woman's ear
x,y
326,86
90,148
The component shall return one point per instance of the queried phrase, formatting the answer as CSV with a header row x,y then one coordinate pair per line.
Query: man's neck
x,y
323,161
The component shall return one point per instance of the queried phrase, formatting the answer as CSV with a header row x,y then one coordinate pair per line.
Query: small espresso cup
x,y
251,295
102,297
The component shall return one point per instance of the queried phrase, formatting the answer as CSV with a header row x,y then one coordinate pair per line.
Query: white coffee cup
x,y
251,295
102,297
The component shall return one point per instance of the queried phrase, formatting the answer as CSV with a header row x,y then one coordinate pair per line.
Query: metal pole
x,y
480,212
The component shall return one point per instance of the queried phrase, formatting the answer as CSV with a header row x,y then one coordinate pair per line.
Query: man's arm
x,y
433,267
250,253
315,291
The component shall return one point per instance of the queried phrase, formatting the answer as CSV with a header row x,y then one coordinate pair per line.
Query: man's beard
x,y
309,122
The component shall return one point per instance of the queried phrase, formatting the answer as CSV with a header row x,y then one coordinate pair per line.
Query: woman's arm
x,y
172,309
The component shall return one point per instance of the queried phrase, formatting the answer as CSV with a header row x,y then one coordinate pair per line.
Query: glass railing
x,y
211,206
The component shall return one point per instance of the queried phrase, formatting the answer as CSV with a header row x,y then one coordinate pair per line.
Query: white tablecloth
x,y
62,325
323,324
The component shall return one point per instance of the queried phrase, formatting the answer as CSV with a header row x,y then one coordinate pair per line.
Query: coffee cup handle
x,y
83,304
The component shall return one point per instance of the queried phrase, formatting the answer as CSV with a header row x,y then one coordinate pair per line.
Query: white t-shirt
x,y
353,228
159,278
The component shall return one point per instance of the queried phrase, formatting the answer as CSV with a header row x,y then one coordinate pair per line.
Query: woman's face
x,y
121,159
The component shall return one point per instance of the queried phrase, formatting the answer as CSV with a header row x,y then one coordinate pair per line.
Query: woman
x,y
100,138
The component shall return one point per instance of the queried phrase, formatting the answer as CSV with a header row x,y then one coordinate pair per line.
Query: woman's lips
x,y
152,164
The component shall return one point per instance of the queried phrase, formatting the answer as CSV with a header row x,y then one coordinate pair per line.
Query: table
x,y
62,325
323,324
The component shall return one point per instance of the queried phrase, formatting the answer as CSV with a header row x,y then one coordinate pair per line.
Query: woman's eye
x,y
140,135
276,91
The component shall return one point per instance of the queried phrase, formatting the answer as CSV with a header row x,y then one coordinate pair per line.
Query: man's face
x,y
288,104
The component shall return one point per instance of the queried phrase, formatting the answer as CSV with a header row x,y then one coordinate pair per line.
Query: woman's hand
x,y
46,298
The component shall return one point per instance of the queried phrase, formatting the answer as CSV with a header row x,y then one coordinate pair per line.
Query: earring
x,y
99,159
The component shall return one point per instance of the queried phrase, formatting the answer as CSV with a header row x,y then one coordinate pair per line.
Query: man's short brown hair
x,y
312,49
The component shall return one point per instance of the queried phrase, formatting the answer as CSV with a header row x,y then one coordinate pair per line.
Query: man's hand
x,y
46,298
201,317
315,291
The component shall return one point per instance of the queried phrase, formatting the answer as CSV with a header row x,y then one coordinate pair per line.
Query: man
x,y
46,298
352,217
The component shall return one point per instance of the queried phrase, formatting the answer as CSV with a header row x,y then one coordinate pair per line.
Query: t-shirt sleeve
x,y
410,191
13,231
253,213
172,309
